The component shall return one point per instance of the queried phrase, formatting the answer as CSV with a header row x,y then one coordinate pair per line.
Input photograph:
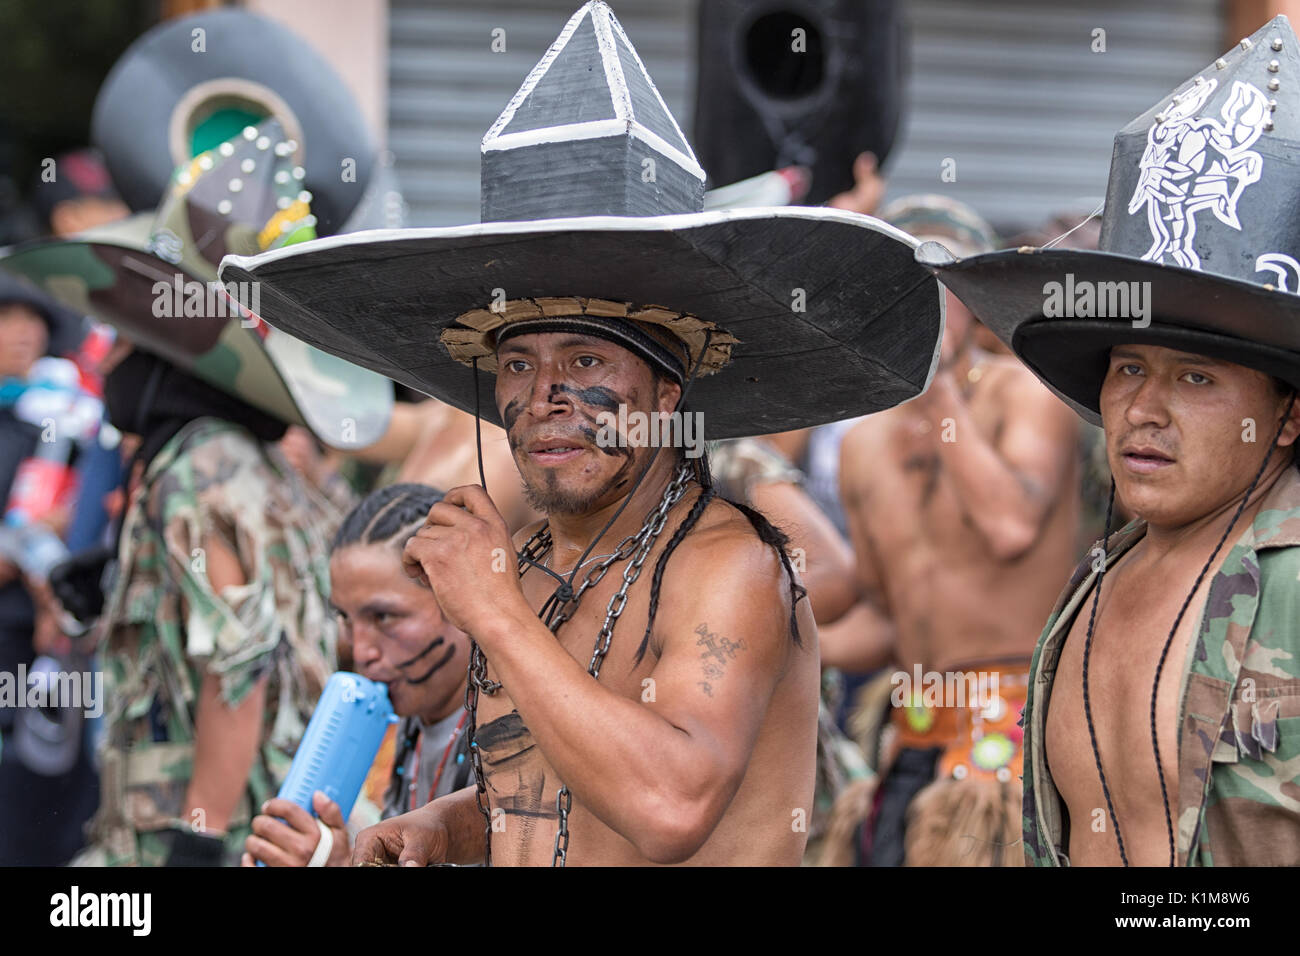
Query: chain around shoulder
x,y
636,546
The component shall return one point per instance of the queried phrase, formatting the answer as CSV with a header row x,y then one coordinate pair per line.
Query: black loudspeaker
x,y
806,82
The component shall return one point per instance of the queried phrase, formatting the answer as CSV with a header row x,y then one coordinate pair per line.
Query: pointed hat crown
x,y
588,135
1208,178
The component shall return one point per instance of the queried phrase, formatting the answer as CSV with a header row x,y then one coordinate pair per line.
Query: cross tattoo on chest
x,y
717,652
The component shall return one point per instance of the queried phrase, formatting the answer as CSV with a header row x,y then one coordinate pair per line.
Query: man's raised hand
x,y
465,554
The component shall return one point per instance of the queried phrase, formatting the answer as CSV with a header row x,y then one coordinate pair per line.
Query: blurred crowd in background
x,y
918,583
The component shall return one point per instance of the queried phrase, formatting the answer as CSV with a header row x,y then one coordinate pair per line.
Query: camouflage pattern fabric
x,y
1239,747
164,629
154,278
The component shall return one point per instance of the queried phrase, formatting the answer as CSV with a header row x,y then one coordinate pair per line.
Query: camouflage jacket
x,y
164,629
1239,743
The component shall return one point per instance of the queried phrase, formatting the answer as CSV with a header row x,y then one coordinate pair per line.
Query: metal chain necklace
x,y
546,562
636,546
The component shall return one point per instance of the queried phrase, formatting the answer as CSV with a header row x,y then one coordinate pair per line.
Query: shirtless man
x,y
963,512
1163,721
702,750
1174,441
664,712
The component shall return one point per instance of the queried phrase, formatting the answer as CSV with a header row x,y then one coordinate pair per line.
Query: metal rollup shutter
x,y
446,86
1008,89
1012,92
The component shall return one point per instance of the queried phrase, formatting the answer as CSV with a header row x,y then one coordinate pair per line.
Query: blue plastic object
x,y
341,742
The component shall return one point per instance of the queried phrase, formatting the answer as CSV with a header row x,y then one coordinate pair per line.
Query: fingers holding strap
x,y
324,847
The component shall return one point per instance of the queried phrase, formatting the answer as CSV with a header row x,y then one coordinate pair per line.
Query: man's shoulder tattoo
x,y
717,652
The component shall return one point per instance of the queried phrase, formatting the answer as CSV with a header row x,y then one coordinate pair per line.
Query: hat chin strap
x,y
564,592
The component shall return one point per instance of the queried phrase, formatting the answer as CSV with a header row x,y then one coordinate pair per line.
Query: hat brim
x,y
134,109
834,317
111,274
1194,311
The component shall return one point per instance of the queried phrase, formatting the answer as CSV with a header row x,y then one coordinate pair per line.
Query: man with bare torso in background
x,y
963,509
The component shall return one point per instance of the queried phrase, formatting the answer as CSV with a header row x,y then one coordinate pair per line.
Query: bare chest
x,y
522,786
1130,640
912,503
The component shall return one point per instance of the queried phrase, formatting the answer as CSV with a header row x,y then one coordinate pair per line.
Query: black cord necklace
x,y
1164,653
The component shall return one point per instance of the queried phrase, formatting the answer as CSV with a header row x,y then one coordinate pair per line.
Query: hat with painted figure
x,y
154,278
1199,241
592,222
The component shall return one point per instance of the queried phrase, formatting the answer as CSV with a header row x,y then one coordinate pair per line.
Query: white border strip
x,y
596,129
618,90
653,89
677,223
537,72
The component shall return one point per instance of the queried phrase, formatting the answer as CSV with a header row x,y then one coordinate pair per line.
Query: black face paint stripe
x,y
597,396
438,665
424,653
514,408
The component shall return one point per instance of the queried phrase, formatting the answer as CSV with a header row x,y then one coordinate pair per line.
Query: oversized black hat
x,y
154,279
1199,245
192,83
591,200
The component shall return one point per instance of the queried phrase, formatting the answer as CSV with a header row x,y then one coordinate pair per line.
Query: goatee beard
x,y
551,499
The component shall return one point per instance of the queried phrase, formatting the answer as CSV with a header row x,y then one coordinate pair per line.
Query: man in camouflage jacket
x,y
168,630
1162,725
1239,744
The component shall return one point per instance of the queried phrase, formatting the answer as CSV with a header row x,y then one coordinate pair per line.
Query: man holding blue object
x,y
401,639
644,674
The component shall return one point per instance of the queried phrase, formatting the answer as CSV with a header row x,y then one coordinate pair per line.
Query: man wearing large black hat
x,y
1163,722
664,707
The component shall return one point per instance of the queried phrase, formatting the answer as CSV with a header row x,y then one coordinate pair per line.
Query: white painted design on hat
x,y
1283,266
1193,163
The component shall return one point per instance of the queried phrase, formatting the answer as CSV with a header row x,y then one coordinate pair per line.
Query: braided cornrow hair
x,y
392,514
766,531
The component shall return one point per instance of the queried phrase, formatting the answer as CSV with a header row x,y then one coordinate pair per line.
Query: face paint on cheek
x,y
623,475
428,649
437,666
616,449
514,408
